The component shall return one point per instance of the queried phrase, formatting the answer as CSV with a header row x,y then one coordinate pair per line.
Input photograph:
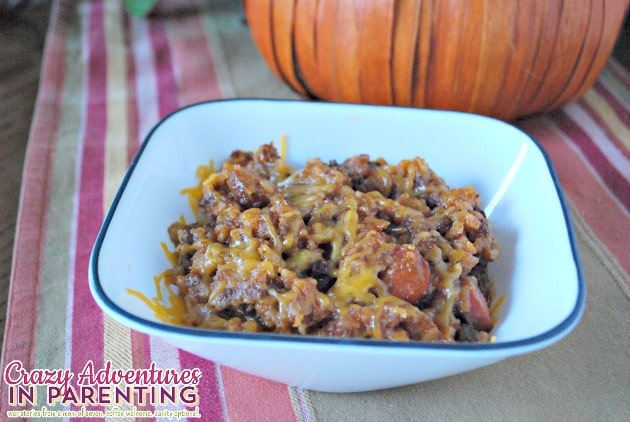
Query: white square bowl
x,y
539,270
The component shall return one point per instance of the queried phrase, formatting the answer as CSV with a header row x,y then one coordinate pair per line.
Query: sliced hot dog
x,y
473,305
408,276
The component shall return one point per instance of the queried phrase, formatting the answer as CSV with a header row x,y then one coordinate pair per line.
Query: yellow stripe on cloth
x,y
117,338
117,344
608,116
117,124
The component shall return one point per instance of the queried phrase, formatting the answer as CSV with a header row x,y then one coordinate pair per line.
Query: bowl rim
x,y
149,327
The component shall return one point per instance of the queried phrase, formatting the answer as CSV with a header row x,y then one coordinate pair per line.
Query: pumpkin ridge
x,y
503,59
497,107
422,78
416,56
295,59
274,49
568,82
459,58
527,73
299,76
538,101
392,70
528,80
480,74
568,95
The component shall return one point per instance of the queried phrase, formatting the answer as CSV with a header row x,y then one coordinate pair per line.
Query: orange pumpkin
x,y
502,58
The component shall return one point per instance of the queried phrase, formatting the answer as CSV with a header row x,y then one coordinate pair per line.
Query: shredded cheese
x,y
311,251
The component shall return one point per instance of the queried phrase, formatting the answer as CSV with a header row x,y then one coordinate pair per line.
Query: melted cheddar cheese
x,y
360,249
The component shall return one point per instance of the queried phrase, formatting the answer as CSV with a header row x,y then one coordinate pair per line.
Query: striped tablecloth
x,y
108,78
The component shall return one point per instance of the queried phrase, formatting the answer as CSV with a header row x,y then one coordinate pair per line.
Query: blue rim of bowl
x,y
550,336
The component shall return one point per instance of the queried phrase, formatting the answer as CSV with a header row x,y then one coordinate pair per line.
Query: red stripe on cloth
x,y
166,84
28,249
209,398
610,134
140,344
168,101
140,358
87,321
611,177
252,398
605,216
621,110
139,347
197,78
198,82
132,98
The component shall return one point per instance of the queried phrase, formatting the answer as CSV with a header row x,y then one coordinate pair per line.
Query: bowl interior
x,y
538,272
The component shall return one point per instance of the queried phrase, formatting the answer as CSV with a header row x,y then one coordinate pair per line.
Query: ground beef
x,y
362,249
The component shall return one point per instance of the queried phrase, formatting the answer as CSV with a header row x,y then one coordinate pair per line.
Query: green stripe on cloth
x,y
621,91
